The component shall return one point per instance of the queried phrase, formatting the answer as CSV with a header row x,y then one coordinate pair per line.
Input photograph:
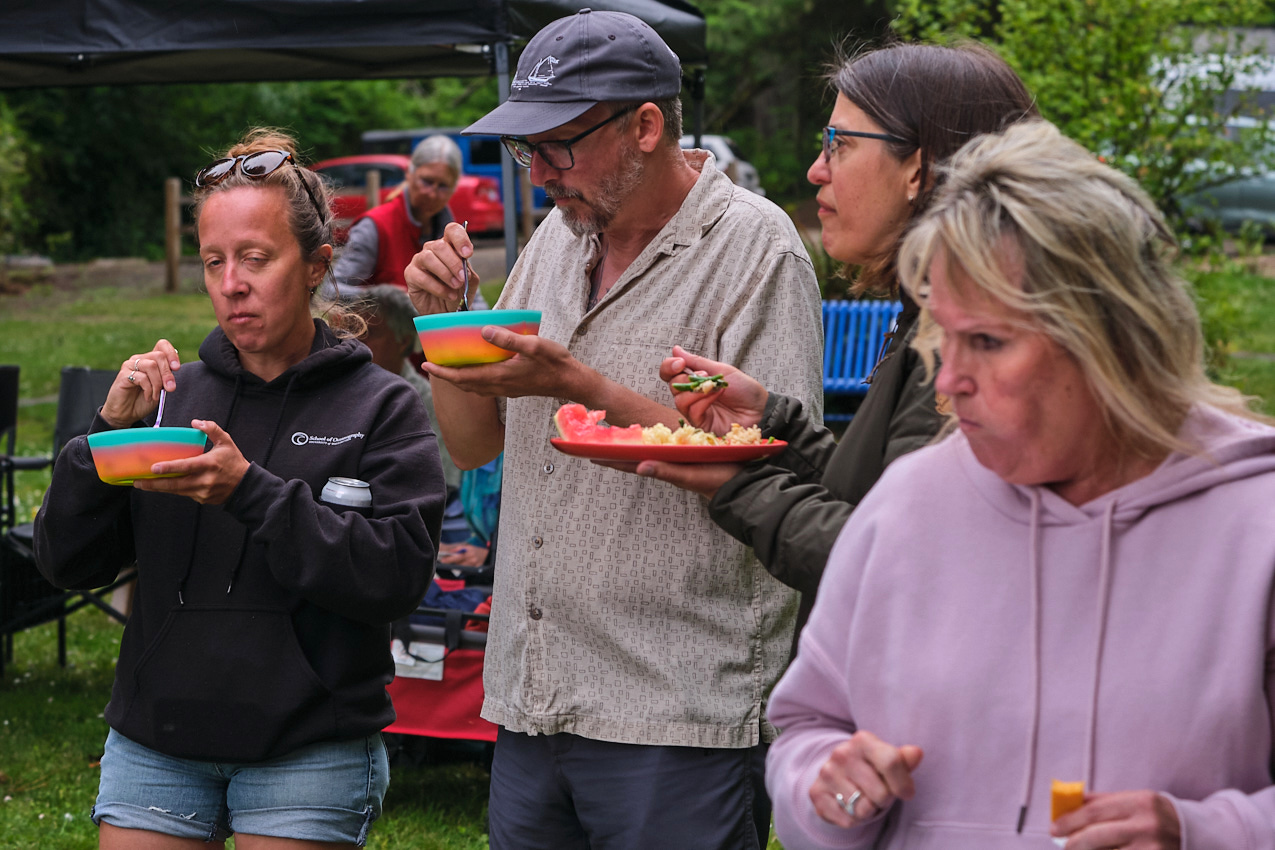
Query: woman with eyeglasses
x,y
250,689
899,111
383,240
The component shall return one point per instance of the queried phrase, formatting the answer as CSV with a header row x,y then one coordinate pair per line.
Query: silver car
x,y
1249,194
1233,203
729,160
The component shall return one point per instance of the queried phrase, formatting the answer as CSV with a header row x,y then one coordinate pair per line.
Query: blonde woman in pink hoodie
x,y
1076,583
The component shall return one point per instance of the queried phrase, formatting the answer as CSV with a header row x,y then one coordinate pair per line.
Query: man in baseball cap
x,y
577,63
632,640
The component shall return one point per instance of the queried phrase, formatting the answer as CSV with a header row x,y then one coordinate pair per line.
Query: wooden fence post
x,y
172,231
373,188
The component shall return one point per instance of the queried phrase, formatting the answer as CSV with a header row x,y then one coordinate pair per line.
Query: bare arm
x,y
470,424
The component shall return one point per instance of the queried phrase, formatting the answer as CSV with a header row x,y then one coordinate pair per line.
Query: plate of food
x,y
583,433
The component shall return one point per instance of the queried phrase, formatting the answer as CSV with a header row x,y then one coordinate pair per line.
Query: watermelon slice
x,y
578,424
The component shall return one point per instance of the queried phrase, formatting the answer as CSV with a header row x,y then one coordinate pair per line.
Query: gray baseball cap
x,y
579,61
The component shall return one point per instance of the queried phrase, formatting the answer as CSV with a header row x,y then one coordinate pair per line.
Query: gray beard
x,y
613,191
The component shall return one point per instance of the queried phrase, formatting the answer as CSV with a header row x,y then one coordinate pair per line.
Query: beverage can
x,y
348,494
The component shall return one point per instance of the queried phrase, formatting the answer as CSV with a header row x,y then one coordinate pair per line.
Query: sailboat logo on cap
x,y
542,73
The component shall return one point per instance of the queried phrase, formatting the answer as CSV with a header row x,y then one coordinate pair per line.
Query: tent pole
x,y
506,162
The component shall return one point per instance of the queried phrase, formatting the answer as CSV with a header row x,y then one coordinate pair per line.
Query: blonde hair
x,y
1089,264
310,221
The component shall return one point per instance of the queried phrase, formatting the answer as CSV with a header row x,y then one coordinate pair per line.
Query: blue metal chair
x,y
854,337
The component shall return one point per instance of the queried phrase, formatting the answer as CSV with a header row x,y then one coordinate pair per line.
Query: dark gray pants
x,y
564,792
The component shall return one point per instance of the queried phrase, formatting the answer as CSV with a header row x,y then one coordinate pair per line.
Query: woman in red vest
x,y
384,239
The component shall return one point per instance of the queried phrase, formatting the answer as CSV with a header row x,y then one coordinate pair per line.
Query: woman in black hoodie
x,y
250,690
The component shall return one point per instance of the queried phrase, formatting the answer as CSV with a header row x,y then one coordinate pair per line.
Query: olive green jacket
x,y
791,507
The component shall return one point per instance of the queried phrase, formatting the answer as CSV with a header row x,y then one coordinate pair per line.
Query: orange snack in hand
x,y
1065,797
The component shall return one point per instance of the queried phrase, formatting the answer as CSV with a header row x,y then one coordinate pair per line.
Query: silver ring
x,y
135,366
131,379
847,803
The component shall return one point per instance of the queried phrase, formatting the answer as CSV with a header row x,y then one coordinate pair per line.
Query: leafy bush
x,y
13,178
97,158
1141,82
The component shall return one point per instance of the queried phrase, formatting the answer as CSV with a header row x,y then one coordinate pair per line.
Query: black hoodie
x,y
262,624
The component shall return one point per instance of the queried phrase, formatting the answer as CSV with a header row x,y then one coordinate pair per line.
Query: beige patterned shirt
x,y
621,611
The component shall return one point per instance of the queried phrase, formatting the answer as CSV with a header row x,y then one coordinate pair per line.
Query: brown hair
x,y
935,98
311,226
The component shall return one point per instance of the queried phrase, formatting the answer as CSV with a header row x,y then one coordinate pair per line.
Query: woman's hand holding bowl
x,y
742,401
436,275
208,478
135,393
864,764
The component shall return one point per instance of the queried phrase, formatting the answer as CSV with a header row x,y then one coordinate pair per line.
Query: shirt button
x,y
548,469
583,330
535,613
537,541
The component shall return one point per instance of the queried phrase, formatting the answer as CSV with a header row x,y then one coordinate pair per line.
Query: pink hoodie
x,y
1016,638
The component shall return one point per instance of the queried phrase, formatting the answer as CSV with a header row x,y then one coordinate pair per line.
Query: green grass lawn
x,y
51,735
51,726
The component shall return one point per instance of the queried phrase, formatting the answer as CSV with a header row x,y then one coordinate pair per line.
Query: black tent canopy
x,y
132,42
124,42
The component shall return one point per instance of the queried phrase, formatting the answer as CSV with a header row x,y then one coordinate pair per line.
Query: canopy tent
x,y
129,42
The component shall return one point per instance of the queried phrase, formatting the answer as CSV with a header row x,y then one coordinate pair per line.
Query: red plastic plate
x,y
669,454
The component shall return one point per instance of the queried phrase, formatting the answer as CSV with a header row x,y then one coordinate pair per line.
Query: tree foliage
x,y
1141,82
765,81
13,178
98,157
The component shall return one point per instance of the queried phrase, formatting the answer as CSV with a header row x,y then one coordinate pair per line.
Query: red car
x,y
476,199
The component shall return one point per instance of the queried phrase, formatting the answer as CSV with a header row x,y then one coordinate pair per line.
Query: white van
x,y
728,160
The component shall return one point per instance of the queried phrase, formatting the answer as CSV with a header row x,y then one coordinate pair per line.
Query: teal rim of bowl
x,y
164,434
474,318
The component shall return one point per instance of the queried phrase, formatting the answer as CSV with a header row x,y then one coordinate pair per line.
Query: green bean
x,y
695,382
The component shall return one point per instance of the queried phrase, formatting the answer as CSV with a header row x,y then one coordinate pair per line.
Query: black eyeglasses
x,y
256,166
556,153
830,143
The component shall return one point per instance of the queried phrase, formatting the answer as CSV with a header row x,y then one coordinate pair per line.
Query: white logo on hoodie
x,y
301,438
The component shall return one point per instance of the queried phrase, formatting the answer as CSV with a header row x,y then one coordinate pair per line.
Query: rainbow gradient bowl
x,y
455,339
127,454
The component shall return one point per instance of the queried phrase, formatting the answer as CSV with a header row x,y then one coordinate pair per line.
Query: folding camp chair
x,y
26,598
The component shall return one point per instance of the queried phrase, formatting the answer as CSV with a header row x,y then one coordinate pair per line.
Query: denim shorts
x,y
330,791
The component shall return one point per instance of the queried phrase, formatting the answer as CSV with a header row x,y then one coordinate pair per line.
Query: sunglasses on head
x,y
255,166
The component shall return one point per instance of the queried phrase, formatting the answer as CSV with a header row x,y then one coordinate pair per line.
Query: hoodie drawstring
x,y
199,509
1033,729
1105,570
1104,603
265,461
